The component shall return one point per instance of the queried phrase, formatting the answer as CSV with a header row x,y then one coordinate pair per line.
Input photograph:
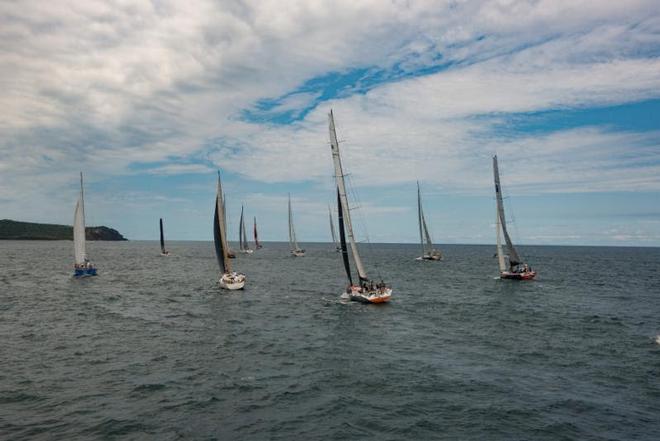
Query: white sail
x,y
514,258
79,228
341,185
293,242
332,228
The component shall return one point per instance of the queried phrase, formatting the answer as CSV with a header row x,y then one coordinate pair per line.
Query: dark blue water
x,y
152,349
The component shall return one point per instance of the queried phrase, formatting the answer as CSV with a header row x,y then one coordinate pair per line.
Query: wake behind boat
x,y
511,265
428,252
366,290
163,251
82,267
230,280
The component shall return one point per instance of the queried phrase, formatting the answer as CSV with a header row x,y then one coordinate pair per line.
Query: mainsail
x,y
242,235
256,236
341,187
219,233
424,235
162,237
79,228
342,238
514,258
500,254
293,243
332,228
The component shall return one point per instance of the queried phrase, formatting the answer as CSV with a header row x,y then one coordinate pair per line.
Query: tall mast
x,y
341,186
514,259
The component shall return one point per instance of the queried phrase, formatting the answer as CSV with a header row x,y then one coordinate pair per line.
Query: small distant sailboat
x,y
366,290
515,268
229,279
242,236
257,245
293,243
332,231
428,252
163,251
82,267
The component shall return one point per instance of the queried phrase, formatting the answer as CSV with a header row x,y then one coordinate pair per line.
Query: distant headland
x,y
14,230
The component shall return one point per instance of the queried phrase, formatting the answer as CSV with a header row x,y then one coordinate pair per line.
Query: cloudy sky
x,y
149,98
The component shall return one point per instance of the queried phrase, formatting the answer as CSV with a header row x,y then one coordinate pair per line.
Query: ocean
x,y
153,349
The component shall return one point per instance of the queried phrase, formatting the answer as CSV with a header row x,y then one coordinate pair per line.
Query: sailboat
x,y
365,290
332,231
229,279
257,245
428,252
242,236
82,266
510,264
163,251
293,243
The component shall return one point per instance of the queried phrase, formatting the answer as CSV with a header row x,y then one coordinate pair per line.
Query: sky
x,y
150,98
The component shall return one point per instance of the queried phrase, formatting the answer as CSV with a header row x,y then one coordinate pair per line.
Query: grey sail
x,y
514,258
424,234
242,234
332,229
341,186
162,237
219,232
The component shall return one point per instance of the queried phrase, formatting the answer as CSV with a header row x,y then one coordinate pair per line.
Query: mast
x,y
162,237
342,238
514,259
332,228
219,233
79,227
341,187
256,237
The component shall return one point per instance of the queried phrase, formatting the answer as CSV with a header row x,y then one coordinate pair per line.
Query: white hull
x,y
376,296
232,282
298,253
429,257
166,253
248,251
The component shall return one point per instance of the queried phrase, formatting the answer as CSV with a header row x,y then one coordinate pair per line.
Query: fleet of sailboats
x,y
363,289
229,279
510,264
82,267
428,252
163,251
360,288
293,242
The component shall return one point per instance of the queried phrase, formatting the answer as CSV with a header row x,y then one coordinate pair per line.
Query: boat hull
x,y
248,251
527,275
84,272
298,253
232,282
375,296
433,257
165,253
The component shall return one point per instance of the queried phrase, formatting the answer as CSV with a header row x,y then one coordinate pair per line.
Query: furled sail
x,y
79,228
341,187
242,237
162,237
342,239
219,233
514,258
